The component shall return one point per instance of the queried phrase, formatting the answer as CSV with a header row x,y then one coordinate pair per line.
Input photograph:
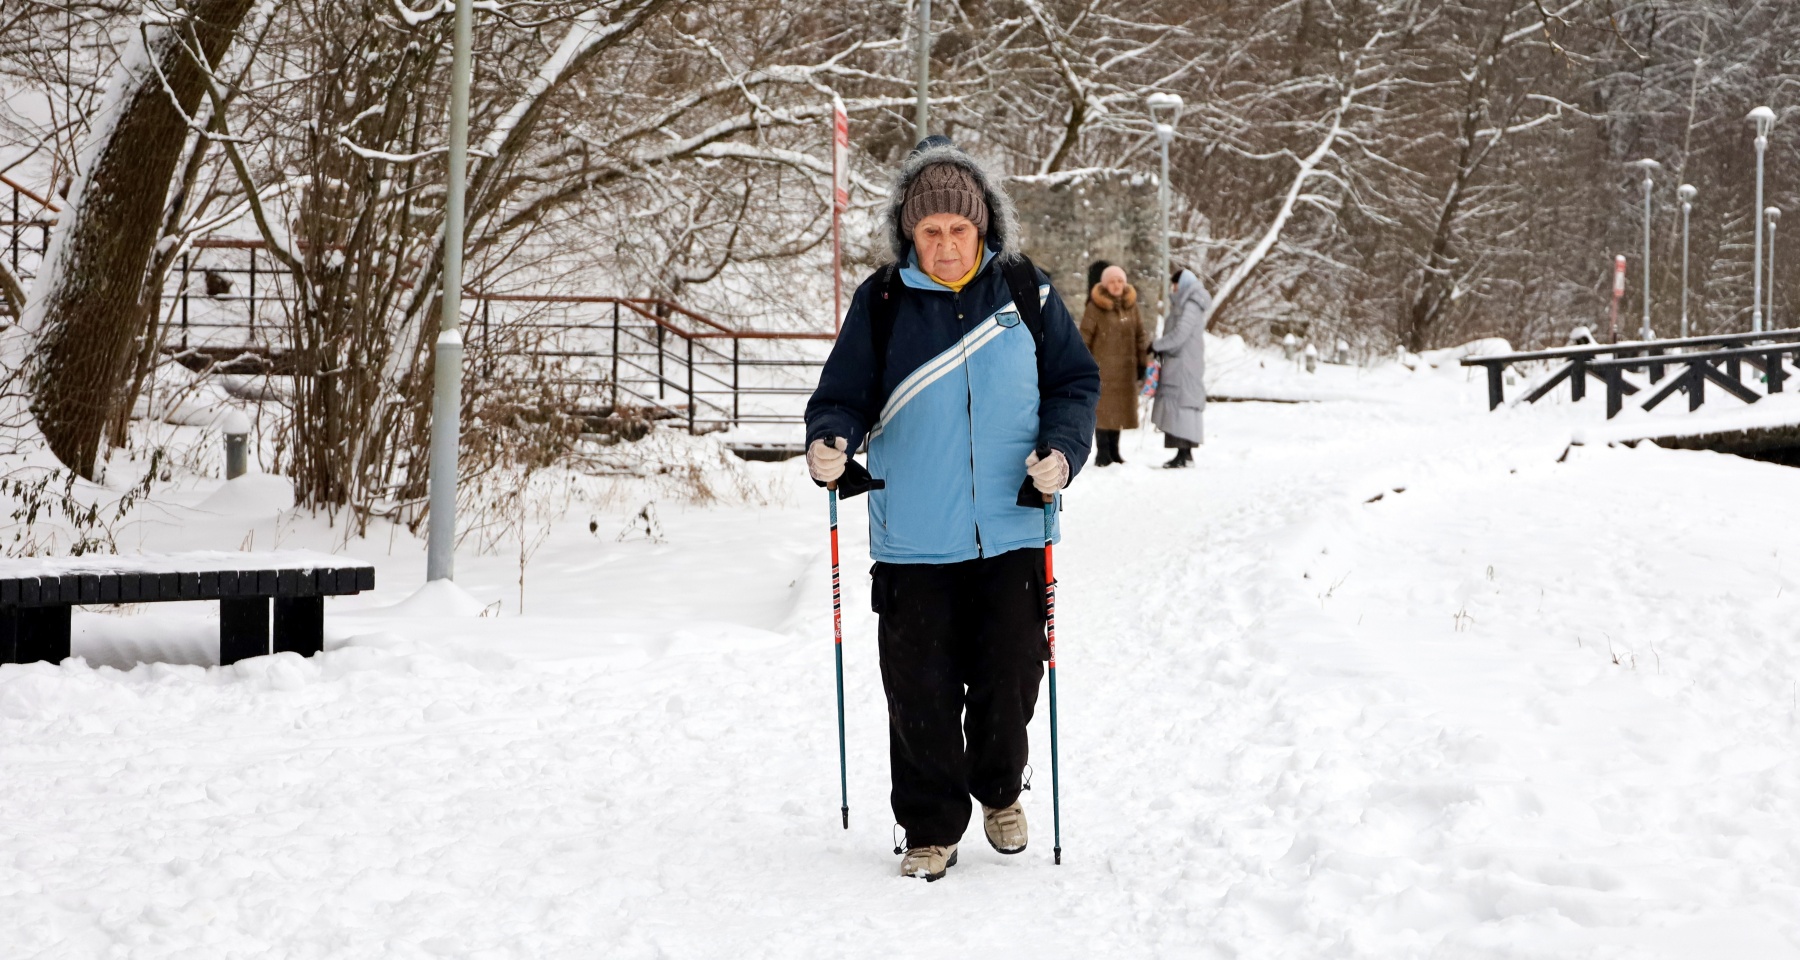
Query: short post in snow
x,y
1289,346
237,444
1312,359
1686,192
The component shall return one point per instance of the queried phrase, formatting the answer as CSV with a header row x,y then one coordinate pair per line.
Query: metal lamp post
x,y
1773,215
446,397
922,118
1649,167
1764,118
1165,110
1686,192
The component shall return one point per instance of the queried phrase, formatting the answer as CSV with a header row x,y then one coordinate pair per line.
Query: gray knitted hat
x,y
944,188
994,215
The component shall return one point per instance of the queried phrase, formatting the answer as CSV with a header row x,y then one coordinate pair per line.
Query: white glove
x,y
1049,474
826,460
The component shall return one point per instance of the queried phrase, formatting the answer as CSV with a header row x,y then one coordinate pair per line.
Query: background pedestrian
x,y
1114,333
1181,393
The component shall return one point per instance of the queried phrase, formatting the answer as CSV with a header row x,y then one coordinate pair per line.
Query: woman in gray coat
x,y
1181,391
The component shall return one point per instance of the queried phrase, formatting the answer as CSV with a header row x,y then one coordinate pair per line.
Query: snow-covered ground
x,y
1518,705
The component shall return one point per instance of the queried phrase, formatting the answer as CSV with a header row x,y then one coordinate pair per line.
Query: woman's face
x,y
1113,279
946,244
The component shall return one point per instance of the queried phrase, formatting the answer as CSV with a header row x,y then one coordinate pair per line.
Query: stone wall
x,y
1069,223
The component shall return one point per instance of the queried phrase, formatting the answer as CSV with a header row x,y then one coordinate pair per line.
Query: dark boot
x,y
1105,442
1183,457
1113,439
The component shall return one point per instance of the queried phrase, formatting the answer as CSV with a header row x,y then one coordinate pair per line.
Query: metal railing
x,y
651,355
237,282
226,310
1723,368
1596,360
25,231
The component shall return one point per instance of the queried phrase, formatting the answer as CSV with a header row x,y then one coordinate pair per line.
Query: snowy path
x,y
1296,724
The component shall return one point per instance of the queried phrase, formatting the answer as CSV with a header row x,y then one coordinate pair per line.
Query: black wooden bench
x,y
36,596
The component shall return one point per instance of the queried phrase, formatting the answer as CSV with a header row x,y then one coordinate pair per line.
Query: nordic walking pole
x,y
854,480
1030,497
837,629
1050,624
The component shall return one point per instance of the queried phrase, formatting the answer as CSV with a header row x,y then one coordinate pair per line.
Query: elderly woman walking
x,y
1115,335
1181,391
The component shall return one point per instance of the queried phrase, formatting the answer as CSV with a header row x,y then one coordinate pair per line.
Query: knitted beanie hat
x,y
944,188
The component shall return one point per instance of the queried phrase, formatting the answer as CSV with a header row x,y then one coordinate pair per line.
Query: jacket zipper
x,y
969,388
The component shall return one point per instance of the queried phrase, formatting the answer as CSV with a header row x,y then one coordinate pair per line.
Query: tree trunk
x,y
85,307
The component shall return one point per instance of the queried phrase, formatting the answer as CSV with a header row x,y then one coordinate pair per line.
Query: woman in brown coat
x,y
1115,336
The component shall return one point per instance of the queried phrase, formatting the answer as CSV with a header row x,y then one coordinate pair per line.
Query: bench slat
x,y
96,586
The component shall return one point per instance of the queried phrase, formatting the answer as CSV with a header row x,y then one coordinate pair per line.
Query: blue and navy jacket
x,y
959,408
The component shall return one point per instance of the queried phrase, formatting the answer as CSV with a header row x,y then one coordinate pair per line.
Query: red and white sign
x,y
840,157
840,201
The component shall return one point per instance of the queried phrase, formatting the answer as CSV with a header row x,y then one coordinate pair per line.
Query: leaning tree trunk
x,y
84,307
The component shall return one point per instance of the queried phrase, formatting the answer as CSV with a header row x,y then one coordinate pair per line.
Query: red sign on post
x,y
840,201
840,157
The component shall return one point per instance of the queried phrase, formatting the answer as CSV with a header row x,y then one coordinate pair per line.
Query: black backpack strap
x,y
1022,282
883,309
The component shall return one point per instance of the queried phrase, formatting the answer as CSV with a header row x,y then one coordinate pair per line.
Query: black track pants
x,y
962,654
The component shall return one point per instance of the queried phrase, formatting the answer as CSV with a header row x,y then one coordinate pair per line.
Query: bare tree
x,y
87,306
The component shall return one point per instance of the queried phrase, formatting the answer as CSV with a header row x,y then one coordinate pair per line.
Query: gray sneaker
x,y
928,862
1005,827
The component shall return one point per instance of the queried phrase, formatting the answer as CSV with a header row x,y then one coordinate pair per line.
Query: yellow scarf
x,y
980,255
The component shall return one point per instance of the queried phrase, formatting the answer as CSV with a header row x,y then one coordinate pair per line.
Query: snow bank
x,y
251,495
1512,708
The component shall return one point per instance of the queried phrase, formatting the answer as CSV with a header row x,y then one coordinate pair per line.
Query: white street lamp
x,y
1771,214
1686,192
446,394
1649,167
922,120
1764,118
1165,110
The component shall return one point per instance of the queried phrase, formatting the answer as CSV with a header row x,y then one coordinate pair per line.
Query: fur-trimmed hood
x,y
1003,222
1104,300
